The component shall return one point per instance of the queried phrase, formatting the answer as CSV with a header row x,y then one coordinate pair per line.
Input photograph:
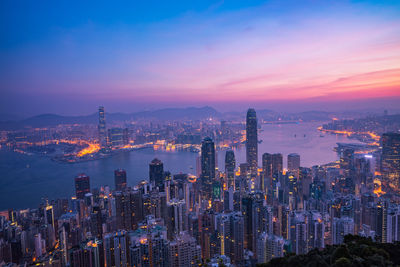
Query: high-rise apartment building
x,y
156,172
270,246
391,159
184,251
230,165
176,217
230,228
277,163
82,185
293,163
120,179
341,227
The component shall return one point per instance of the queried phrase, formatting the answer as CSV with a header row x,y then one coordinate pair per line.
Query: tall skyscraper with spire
x,y
102,128
251,140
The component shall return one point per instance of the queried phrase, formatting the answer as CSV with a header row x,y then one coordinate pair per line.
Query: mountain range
x,y
11,122
44,120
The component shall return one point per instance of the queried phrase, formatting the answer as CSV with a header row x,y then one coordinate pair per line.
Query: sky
x,y
69,57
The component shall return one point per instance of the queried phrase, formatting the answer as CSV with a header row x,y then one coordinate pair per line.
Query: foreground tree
x,y
355,251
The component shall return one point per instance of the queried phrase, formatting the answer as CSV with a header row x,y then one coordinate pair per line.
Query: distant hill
x,y
355,251
45,120
11,122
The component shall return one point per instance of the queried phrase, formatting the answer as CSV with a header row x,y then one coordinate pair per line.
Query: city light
x,y
200,133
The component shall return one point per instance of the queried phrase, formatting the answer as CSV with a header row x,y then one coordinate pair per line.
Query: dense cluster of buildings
x,y
97,138
246,214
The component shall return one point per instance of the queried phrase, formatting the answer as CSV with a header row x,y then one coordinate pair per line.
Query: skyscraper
x,y
391,159
121,248
341,227
49,214
120,179
293,163
230,164
102,128
266,179
247,210
39,245
267,164
269,246
277,163
128,209
156,172
347,162
184,251
230,228
176,217
90,254
149,249
207,166
116,137
251,140
82,185
109,259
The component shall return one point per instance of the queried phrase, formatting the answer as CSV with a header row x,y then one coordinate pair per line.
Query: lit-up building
x,y
116,137
149,249
270,246
89,254
341,227
184,251
156,172
230,165
120,179
293,163
391,159
251,141
128,209
230,228
207,166
176,217
102,128
277,163
347,162
272,166
266,179
116,249
82,185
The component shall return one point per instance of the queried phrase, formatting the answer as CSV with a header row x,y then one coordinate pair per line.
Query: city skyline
x,y
262,54
239,215
200,133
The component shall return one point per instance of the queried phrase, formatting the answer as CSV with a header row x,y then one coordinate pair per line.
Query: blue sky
x,y
69,57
